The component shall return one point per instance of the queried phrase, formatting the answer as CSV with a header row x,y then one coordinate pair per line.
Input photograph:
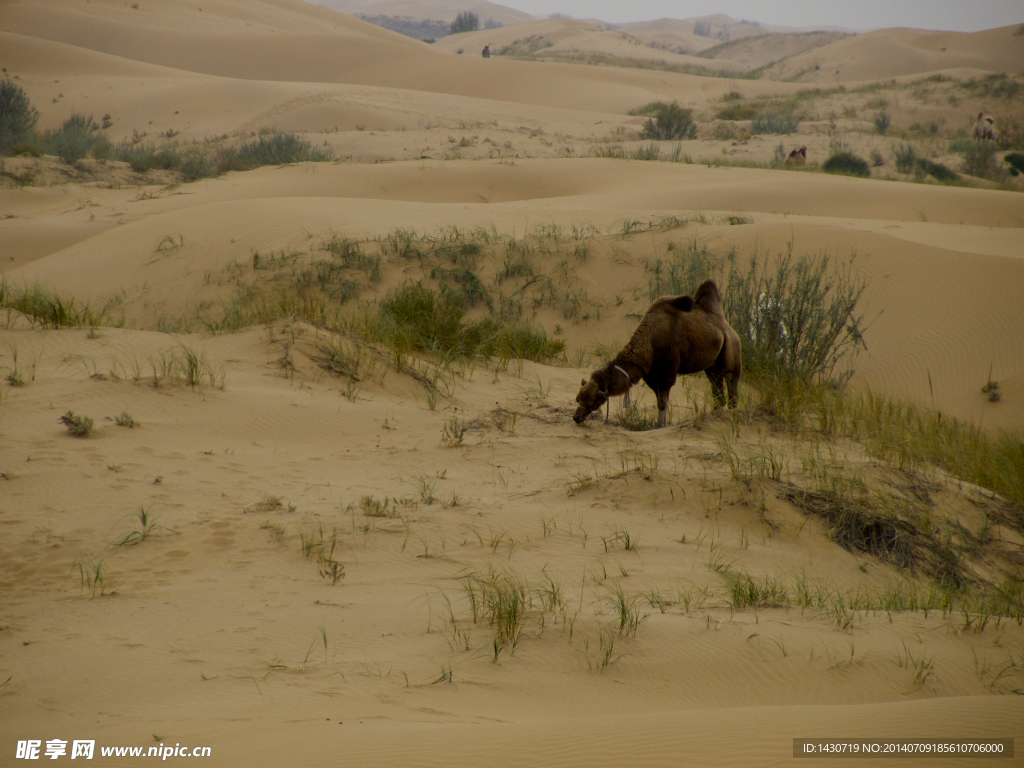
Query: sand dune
x,y
276,539
369,56
679,33
898,52
753,52
560,37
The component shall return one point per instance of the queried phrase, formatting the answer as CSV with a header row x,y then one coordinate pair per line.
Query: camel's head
x,y
592,395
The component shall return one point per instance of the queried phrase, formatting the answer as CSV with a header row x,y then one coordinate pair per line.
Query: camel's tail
x,y
708,298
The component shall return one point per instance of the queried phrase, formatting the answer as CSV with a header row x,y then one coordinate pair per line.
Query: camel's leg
x,y
716,377
608,410
625,399
734,389
663,408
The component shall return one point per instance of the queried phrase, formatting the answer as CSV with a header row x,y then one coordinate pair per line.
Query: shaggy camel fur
x,y
677,334
985,128
797,157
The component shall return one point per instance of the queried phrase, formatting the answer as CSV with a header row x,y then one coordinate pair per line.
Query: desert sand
x,y
283,563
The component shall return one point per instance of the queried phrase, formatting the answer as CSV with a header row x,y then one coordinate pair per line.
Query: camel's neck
x,y
620,376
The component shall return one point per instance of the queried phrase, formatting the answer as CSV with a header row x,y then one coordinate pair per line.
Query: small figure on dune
x,y
797,157
985,128
487,52
677,334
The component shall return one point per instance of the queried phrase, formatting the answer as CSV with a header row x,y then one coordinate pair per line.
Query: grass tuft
x,y
79,426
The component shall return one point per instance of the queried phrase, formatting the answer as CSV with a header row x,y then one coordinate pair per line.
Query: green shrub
x,y
1016,162
797,318
668,121
194,164
147,157
979,159
905,158
273,149
882,123
736,112
102,147
938,171
467,21
18,117
73,140
772,121
846,163
415,318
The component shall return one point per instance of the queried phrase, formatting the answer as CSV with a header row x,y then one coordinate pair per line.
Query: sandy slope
x,y
335,49
895,52
219,632
753,52
558,37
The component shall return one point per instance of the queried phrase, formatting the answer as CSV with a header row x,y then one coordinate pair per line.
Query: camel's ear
x,y
583,382
683,303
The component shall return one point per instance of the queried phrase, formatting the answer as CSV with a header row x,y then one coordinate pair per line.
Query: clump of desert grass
x,y
43,308
318,546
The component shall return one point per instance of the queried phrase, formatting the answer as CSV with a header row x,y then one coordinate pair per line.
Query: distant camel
x,y
797,157
677,334
985,127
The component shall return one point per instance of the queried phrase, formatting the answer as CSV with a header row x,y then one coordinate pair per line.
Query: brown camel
x,y
677,334
797,157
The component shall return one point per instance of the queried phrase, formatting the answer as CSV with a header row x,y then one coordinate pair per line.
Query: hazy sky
x,y
959,15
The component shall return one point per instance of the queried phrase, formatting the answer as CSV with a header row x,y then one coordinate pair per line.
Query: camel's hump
x,y
708,298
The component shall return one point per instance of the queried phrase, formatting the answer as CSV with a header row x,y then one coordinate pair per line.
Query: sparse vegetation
x,y
636,418
93,575
146,527
453,432
79,426
502,600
